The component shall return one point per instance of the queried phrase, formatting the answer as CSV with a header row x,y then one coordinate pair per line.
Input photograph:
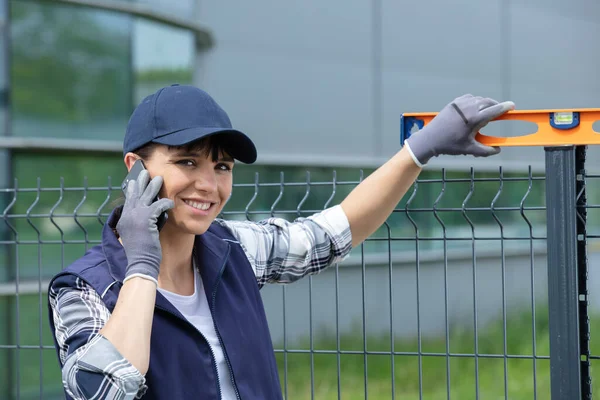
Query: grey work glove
x,y
453,130
137,227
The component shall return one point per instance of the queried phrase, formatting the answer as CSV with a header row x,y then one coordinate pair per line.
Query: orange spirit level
x,y
554,127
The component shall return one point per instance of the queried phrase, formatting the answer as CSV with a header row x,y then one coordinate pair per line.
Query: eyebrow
x,y
195,154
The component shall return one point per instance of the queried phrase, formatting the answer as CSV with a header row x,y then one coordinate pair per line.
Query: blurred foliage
x,y
72,65
66,65
160,75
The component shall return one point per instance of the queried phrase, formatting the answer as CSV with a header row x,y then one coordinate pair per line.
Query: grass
x,y
408,382
465,381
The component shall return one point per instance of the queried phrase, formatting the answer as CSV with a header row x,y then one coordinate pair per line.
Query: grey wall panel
x,y
553,63
293,105
303,78
296,76
430,58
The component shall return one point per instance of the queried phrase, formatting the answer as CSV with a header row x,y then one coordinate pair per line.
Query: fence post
x,y
563,300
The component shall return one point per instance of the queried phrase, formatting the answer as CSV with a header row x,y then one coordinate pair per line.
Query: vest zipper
x,y
214,363
214,296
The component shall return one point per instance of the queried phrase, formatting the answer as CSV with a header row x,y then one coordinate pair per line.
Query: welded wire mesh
x,y
446,300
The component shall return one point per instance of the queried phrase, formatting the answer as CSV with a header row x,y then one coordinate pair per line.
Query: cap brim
x,y
239,146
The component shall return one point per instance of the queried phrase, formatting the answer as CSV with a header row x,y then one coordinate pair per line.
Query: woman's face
x,y
198,186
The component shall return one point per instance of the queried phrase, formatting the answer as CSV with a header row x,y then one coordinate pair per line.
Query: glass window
x,y
162,55
70,72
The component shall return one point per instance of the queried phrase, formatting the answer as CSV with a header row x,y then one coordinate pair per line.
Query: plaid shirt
x,y
279,251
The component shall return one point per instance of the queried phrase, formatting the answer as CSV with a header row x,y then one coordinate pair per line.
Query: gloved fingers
x,y
130,193
488,114
141,183
160,206
480,150
151,191
463,102
485,103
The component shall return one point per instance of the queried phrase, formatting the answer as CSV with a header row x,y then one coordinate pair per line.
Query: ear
x,y
130,159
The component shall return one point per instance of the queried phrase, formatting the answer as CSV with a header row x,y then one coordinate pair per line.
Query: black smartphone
x,y
138,167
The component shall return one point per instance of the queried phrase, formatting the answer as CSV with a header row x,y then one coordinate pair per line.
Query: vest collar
x,y
210,251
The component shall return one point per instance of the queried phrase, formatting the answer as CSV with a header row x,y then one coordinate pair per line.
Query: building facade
x,y
318,85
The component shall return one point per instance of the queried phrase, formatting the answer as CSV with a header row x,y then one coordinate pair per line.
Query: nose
x,y
206,180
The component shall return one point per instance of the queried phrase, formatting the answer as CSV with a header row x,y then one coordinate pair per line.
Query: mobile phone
x,y
138,167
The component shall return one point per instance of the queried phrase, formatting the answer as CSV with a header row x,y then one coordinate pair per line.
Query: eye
x,y
186,162
223,167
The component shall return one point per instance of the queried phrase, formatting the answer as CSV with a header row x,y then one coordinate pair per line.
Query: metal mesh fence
x,y
447,300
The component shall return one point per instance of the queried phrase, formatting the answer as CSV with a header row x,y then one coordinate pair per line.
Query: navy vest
x,y
181,362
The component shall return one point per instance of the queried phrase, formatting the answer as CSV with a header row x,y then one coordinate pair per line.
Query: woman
x,y
177,313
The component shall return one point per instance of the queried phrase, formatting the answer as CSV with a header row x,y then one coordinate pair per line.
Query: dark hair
x,y
212,145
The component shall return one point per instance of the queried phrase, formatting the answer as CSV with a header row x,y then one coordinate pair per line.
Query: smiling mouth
x,y
198,205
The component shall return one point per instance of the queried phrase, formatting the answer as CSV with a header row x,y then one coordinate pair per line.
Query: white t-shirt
x,y
196,310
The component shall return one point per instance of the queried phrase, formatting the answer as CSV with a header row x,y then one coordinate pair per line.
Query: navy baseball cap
x,y
179,114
